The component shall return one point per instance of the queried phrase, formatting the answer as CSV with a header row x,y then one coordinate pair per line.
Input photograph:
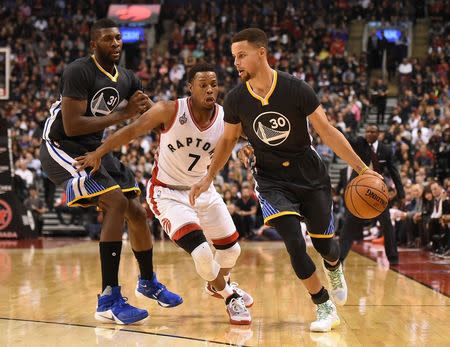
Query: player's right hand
x,y
374,173
246,156
198,188
138,103
90,159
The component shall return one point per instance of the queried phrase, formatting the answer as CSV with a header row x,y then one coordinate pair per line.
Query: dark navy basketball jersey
x,y
276,126
85,79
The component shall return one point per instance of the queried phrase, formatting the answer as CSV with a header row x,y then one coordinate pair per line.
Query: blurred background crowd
x,y
308,39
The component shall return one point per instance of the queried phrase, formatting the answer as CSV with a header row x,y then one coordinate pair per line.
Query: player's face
x,y
204,89
108,45
371,134
247,59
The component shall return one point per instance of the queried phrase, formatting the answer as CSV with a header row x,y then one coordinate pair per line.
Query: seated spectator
x,y
36,205
76,213
246,208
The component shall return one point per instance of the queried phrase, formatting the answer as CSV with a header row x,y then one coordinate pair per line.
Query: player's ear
x,y
262,51
189,87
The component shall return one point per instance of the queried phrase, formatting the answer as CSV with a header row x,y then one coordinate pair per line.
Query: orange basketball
x,y
366,196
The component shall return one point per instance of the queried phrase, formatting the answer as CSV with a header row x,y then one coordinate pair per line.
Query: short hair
x,y
373,125
201,67
255,36
102,24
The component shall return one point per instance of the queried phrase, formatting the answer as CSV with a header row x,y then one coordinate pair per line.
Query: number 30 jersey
x,y
185,148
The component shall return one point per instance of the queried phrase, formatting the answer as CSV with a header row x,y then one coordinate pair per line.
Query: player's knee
x,y
114,202
135,211
206,266
327,247
227,257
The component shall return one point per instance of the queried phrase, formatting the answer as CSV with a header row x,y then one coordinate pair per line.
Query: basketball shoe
x,y
157,291
327,317
237,311
113,307
248,300
336,281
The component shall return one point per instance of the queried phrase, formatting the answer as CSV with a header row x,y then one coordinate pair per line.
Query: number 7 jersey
x,y
186,148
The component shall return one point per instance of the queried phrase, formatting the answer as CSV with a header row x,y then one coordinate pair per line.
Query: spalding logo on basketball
x,y
272,128
5,214
104,101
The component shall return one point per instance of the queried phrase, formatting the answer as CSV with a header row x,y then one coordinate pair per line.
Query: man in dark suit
x,y
379,157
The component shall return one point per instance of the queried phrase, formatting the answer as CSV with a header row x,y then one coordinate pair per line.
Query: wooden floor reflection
x,y
48,298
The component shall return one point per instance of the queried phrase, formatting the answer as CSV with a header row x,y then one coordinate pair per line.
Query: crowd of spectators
x,y
306,39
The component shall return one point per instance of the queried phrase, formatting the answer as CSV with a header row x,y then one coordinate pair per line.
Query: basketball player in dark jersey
x,y
274,109
96,93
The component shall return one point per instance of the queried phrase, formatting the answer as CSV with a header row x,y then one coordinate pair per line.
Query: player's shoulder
x,y
84,64
288,79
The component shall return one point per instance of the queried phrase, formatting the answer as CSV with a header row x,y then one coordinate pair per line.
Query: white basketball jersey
x,y
185,149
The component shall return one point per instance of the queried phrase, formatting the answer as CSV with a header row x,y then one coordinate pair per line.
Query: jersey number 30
x,y
195,161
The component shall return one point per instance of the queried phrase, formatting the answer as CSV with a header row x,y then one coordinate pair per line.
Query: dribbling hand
x,y
374,173
90,159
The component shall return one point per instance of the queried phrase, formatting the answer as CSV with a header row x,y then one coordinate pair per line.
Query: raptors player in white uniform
x,y
189,131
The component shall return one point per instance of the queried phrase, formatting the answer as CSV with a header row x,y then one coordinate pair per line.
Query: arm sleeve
x,y
230,114
76,82
307,97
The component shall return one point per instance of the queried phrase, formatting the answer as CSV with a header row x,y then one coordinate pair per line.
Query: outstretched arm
x,y
334,139
160,114
222,152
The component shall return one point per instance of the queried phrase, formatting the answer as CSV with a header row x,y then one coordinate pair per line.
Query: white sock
x,y
225,292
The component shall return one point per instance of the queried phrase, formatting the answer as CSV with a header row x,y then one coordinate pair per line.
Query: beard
x,y
245,76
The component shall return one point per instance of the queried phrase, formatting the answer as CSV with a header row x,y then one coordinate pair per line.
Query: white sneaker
x,y
336,281
238,312
248,300
327,318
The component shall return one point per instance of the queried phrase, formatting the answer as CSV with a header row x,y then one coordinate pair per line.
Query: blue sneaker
x,y
113,307
157,291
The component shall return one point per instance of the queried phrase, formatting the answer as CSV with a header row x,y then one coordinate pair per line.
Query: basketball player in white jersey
x,y
189,131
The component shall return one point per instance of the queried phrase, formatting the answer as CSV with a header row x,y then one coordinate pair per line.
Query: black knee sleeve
x,y
289,229
328,248
191,241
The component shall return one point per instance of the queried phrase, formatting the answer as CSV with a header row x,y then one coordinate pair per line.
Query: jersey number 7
x,y
195,161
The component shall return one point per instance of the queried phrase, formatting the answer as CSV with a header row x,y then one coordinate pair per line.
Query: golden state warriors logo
x,y
272,128
104,101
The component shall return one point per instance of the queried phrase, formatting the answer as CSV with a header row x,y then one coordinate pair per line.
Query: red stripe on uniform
x,y
185,230
226,240
151,190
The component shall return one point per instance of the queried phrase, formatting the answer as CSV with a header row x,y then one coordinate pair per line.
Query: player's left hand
x,y
198,188
90,159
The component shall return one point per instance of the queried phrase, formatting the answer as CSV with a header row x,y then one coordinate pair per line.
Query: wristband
x,y
364,169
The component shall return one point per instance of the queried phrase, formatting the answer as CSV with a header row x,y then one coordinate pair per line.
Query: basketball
x,y
366,196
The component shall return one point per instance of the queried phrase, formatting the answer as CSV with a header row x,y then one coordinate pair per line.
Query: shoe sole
x,y
334,325
138,294
239,322
102,318
218,296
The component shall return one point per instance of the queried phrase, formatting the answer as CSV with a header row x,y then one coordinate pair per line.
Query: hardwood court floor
x,y
48,298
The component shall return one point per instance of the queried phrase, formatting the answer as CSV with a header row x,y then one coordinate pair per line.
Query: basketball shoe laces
x,y
323,311
234,286
335,277
237,305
